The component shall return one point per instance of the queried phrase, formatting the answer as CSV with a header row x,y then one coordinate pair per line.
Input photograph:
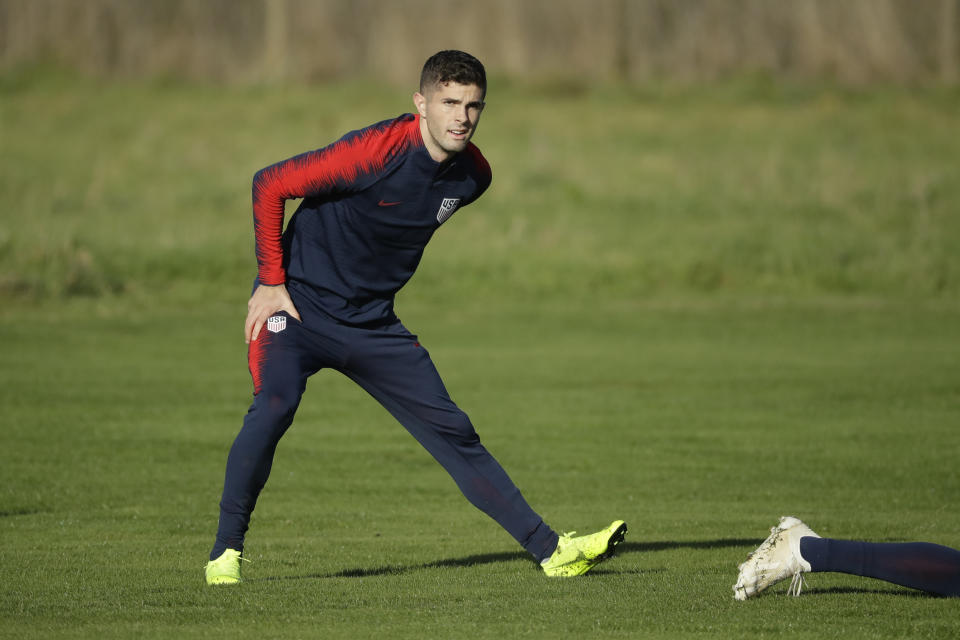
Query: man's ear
x,y
420,101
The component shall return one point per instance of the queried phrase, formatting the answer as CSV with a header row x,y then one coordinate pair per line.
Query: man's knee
x,y
458,428
275,407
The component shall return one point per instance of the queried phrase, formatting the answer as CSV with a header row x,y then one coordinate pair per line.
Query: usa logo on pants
x,y
447,207
276,324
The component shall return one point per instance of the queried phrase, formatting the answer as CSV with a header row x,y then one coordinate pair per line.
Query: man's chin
x,y
456,146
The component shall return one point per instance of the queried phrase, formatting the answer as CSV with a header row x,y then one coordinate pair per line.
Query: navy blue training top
x,y
372,200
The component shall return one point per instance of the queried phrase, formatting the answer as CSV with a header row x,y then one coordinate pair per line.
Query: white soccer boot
x,y
776,559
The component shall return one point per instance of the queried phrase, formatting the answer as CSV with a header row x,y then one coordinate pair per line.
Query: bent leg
x,y
918,565
280,368
393,368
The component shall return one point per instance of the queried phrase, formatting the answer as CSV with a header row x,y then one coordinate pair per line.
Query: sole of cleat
x,y
615,539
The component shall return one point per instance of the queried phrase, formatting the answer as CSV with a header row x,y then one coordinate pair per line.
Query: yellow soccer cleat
x,y
226,568
576,556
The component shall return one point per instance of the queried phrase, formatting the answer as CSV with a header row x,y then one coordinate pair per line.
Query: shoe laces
x,y
568,540
796,584
241,557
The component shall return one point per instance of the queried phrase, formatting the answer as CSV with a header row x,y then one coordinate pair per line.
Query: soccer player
x,y
324,297
793,549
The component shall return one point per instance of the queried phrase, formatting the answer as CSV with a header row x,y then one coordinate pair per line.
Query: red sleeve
x,y
483,174
348,165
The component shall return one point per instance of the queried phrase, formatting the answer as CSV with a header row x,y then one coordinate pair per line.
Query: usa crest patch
x,y
276,324
447,207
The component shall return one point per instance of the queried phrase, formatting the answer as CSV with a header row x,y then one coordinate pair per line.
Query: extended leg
x,y
792,549
398,372
919,565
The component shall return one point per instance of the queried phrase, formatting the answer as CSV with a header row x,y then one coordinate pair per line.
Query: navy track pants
x,y
926,566
391,365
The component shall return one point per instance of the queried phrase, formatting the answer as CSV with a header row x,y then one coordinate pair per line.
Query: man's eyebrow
x,y
472,103
458,101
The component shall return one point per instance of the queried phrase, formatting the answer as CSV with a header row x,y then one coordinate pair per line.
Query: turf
x,y
698,425
670,336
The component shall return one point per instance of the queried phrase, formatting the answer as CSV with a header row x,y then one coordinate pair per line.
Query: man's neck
x,y
436,152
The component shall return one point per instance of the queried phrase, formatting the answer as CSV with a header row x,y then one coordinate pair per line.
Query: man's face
x,y
449,114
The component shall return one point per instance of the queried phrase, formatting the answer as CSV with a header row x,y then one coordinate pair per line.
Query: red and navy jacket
x,y
371,202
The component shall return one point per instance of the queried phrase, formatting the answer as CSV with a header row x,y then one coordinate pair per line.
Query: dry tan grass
x,y
854,41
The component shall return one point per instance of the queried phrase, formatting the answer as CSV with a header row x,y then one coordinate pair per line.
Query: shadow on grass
x,y
723,543
513,556
9,513
469,561
900,593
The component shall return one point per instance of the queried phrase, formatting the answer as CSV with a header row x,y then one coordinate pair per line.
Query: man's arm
x,y
306,175
298,177
349,165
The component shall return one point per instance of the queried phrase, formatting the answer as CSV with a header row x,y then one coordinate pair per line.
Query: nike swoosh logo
x,y
388,204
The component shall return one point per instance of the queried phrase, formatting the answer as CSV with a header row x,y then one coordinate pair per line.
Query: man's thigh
x,y
397,370
284,355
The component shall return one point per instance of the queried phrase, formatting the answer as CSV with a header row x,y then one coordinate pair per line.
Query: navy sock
x,y
546,543
918,565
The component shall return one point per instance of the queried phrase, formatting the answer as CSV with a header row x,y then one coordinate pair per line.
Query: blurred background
x,y
640,147
857,41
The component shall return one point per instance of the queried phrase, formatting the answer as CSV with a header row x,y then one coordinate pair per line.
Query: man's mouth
x,y
458,134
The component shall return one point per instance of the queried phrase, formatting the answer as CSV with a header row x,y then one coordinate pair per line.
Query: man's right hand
x,y
265,302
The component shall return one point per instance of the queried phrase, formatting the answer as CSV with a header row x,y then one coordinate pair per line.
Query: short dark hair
x,y
452,66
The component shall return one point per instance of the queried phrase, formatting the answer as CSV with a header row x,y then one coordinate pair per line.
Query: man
x,y
324,298
792,549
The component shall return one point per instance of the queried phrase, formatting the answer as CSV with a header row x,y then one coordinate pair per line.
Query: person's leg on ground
x,y
395,369
793,549
392,366
280,363
919,565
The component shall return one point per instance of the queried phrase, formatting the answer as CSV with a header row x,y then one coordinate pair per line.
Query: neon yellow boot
x,y
575,556
225,569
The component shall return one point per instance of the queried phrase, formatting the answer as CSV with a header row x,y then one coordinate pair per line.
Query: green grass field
x,y
694,309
